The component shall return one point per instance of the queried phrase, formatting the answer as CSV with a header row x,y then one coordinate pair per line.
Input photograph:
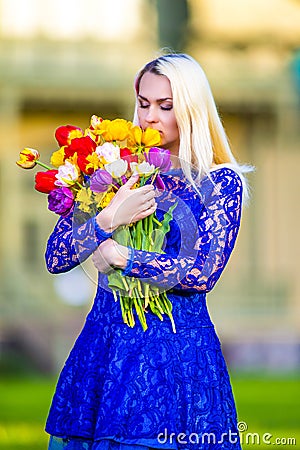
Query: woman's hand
x,y
109,254
128,205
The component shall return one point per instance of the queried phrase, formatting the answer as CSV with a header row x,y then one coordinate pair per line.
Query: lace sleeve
x,y
200,264
72,241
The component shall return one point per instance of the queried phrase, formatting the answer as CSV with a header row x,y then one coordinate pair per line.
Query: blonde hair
x,y
203,140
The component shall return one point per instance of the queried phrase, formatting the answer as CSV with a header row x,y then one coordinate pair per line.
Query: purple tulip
x,y
159,184
160,158
61,201
100,180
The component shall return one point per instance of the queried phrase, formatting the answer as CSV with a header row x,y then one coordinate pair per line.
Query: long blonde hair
x,y
203,141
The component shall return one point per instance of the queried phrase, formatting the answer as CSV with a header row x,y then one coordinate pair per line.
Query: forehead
x,y
155,86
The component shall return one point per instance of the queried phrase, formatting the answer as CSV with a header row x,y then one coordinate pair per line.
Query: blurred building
x,y
62,61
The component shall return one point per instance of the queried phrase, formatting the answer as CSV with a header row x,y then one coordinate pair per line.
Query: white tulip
x,y
108,152
67,175
142,169
117,168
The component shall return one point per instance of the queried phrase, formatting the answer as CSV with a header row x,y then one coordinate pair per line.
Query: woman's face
x,y
155,109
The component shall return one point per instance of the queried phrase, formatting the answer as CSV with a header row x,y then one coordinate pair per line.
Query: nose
x,y
151,116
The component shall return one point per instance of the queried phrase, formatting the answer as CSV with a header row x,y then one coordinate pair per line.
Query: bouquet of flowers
x,y
87,170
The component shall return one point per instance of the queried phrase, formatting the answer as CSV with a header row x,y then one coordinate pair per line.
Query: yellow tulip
x,y
115,130
57,158
135,137
151,138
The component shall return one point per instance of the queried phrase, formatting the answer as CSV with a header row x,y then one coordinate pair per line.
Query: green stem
x,y
154,176
156,221
79,185
150,230
44,165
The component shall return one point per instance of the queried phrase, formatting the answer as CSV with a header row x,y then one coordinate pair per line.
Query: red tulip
x,y
126,154
44,181
82,146
66,133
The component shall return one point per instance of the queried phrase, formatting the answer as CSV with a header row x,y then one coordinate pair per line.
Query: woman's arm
x,y
203,258
73,240
69,243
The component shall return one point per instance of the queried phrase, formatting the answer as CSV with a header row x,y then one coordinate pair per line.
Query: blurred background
x,y
62,61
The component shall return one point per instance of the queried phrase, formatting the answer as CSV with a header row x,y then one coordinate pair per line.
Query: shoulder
x,y
225,172
223,183
226,179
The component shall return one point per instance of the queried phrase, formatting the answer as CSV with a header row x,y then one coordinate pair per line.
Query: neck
x,y
175,162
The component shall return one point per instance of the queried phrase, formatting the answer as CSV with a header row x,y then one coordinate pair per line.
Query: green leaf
x,y
168,216
158,234
116,281
122,236
158,237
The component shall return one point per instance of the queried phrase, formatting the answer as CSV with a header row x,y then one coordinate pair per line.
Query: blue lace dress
x,y
125,389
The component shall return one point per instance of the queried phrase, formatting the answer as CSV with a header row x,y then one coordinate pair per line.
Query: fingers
x,y
132,180
147,212
129,203
149,204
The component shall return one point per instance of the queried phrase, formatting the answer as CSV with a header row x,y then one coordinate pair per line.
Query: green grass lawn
x,y
24,406
266,404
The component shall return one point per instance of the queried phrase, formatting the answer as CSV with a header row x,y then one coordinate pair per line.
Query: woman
x,y
123,388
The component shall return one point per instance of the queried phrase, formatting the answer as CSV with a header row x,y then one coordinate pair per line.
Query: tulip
x,y
61,201
108,152
28,158
58,157
160,158
135,136
159,184
95,121
127,155
115,130
100,181
45,181
143,138
67,175
66,133
142,169
88,164
117,168
82,146
150,137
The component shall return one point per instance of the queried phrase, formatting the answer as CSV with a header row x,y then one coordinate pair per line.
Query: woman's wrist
x,y
105,221
100,234
120,257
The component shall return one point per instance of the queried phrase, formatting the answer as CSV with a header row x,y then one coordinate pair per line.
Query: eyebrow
x,y
159,100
